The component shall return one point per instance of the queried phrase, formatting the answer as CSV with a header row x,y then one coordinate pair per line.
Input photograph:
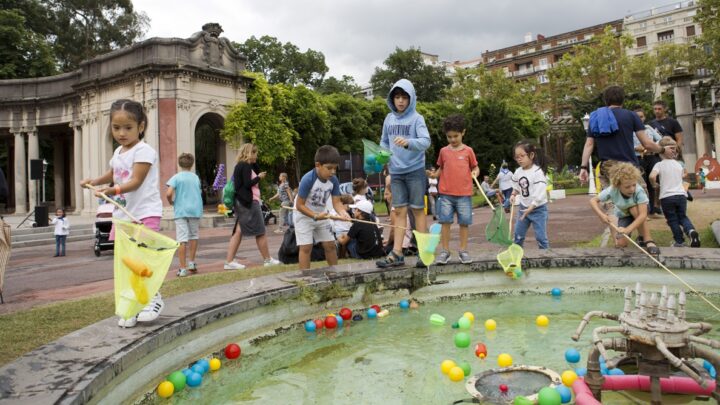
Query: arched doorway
x,y
209,149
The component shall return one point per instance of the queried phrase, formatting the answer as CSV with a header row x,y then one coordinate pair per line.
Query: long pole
x,y
111,201
592,190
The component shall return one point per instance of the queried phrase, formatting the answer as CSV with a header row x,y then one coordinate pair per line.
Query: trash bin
x,y
41,215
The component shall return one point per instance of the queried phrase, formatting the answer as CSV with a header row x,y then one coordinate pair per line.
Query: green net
x,y
498,229
375,157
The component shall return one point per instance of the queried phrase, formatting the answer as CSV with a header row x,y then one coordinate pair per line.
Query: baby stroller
x,y
102,226
267,214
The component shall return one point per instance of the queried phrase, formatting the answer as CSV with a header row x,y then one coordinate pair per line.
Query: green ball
x,y
465,366
521,400
549,396
462,339
464,323
178,380
455,325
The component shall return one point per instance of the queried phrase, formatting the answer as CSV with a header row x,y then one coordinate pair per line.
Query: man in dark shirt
x,y
666,125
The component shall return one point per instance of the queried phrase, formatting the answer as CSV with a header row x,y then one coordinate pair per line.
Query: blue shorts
x,y
448,206
409,189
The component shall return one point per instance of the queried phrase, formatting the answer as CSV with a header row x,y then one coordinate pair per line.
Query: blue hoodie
x,y
410,125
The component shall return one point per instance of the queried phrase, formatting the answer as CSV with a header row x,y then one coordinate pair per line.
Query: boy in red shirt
x,y
457,166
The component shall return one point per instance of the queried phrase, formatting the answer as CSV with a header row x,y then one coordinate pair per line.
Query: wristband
x,y
584,168
117,189
315,217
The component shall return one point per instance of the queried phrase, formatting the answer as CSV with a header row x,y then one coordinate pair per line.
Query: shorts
x,y
623,222
309,232
409,189
187,228
151,222
449,205
250,219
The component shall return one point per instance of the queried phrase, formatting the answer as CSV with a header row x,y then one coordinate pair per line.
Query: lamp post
x,y
592,190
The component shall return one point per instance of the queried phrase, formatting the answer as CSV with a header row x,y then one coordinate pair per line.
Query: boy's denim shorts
x,y
449,205
409,189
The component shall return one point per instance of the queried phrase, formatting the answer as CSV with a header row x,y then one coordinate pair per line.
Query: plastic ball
x,y
310,326
521,400
165,389
565,393
604,370
194,380
480,350
616,371
455,325
572,356
568,377
464,323
178,380
346,314
404,304
357,317
331,322
376,307
549,396
435,228
556,292
710,368
371,313
370,160
462,339
383,157
198,368
215,364
490,324
186,372
232,351
205,364
465,366
542,321
456,374
517,272
503,388
340,321
446,365
437,319
504,360
581,371
319,324
470,316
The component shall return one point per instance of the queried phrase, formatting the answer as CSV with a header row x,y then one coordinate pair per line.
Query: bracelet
x,y
584,168
117,189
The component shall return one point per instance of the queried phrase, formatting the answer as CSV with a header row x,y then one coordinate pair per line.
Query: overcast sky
x,y
356,36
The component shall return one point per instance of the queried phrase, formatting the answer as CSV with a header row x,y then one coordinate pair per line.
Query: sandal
x,y
652,248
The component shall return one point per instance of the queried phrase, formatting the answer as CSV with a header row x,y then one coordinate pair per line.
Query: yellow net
x,y
142,260
427,242
510,260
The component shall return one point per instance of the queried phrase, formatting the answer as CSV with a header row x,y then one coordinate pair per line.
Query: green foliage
x,y
479,82
332,85
350,119
434,114
306,115
430,81
491,130
709,41
23,52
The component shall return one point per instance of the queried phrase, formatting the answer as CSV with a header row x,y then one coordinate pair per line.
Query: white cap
x,y
364,206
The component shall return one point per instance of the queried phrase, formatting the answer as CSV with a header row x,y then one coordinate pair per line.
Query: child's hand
x,y
622,230
605,218
321,216
400,141
105,190
262,175
86,181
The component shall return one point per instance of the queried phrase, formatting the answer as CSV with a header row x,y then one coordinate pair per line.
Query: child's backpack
x,y
289,253
229,193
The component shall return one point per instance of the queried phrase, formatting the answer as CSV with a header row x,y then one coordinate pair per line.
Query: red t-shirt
x,y
455,178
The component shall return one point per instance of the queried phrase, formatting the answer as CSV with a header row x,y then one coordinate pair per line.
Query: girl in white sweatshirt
x,y
529,183
62,230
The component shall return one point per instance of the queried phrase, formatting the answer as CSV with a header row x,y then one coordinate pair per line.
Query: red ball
x,y
346,314
232,351
319,324
503,388
376,307
331,322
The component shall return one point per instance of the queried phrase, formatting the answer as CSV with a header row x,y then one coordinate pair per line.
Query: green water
x,y
396,360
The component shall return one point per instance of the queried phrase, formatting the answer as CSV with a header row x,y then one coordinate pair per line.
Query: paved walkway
x,y
34,277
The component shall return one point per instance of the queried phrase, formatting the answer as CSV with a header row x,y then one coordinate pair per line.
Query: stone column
x,y
59,161
77,175
21,181
87,172
699,139
33,153
680,80
716,130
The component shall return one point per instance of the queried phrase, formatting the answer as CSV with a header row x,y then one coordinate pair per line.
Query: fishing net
x,y
375,157
510,260
498,229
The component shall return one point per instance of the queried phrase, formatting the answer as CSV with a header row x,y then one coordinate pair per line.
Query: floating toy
x,y
232,351
446,365
194,380
198,368
346,314
165,389
481,350
376,307
464,323
565,393
455,325
616,371
437,319
178,380
503,388
375,156
542,321
310,326
215,364
462,340
340,320
568,377
470,316
383,313
383,156
357,317
186,372
510,260
319,324
139,289
414,304
549,396
556,292
710,369
205,364
137,267
490,324
331,322
404,304
572,356
581,371
521,400
465,366
504,360
371,313
456,374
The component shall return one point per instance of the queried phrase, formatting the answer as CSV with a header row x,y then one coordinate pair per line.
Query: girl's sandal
x,y
652,248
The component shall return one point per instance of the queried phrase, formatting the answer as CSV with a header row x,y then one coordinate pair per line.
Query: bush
x,y
566,184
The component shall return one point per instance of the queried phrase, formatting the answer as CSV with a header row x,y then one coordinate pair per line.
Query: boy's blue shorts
x,y
409,189
449,205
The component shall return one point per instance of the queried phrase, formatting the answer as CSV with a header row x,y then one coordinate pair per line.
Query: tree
x,y
430,82
491,130
349,121
332,85
23,52
707,16
479,82
283,63
306,113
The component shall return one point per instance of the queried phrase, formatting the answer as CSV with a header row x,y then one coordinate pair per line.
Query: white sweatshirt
x,y
62,226
530,186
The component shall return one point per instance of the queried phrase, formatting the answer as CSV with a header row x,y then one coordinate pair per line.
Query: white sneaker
x,y
272,262
192,267
279,230
233,265
182,273
152,310
127,323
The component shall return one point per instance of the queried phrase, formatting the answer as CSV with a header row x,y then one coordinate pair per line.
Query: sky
x,y
357,36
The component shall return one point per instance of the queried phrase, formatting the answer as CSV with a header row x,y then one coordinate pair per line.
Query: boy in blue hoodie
x,y
406,135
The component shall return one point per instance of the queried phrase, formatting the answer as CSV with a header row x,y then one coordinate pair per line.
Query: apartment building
x,y
669,24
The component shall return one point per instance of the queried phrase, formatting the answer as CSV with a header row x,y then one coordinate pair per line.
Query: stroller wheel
x,y
97,252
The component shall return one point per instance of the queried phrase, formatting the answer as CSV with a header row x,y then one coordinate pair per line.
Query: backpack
x,y
289,252
229,194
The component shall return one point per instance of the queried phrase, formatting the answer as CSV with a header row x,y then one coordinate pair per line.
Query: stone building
x,y
64,120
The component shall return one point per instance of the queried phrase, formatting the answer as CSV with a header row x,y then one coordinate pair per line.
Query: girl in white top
x,y
134,173
529,184
62,230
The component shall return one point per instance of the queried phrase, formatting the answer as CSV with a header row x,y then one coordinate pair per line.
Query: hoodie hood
x,y
409,89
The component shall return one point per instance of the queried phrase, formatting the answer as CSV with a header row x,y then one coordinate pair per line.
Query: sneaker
x,y
152,310
192,267
279,231
392,260
443,257
127,323
694,239
182,273
465,257
233,265
676,244
271,262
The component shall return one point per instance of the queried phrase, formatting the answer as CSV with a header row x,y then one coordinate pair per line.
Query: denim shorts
x,y
449,205
409,189
624,222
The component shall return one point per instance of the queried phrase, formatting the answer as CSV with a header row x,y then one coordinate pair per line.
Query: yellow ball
x,y
504,360
456,374
568,377
470,316
446,366
490,324
542,320
215,364
165,389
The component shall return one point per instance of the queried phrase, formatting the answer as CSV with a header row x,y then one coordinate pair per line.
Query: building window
x,y
643,24
690,30
543,63
641,41
508,55
665,36
546,46
542,78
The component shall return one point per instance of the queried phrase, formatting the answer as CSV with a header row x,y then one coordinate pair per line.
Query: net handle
x,y
512,212
111,201
339,218
483,193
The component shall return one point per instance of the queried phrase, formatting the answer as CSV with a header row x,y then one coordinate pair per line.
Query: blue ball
x,y
194,380
371,313
310,326
404,304
187,372
601,359
710,368
205,364
435,228
603,369
565,393
198,368
357,317
340,320
572,356
581,371
556,292
616,371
